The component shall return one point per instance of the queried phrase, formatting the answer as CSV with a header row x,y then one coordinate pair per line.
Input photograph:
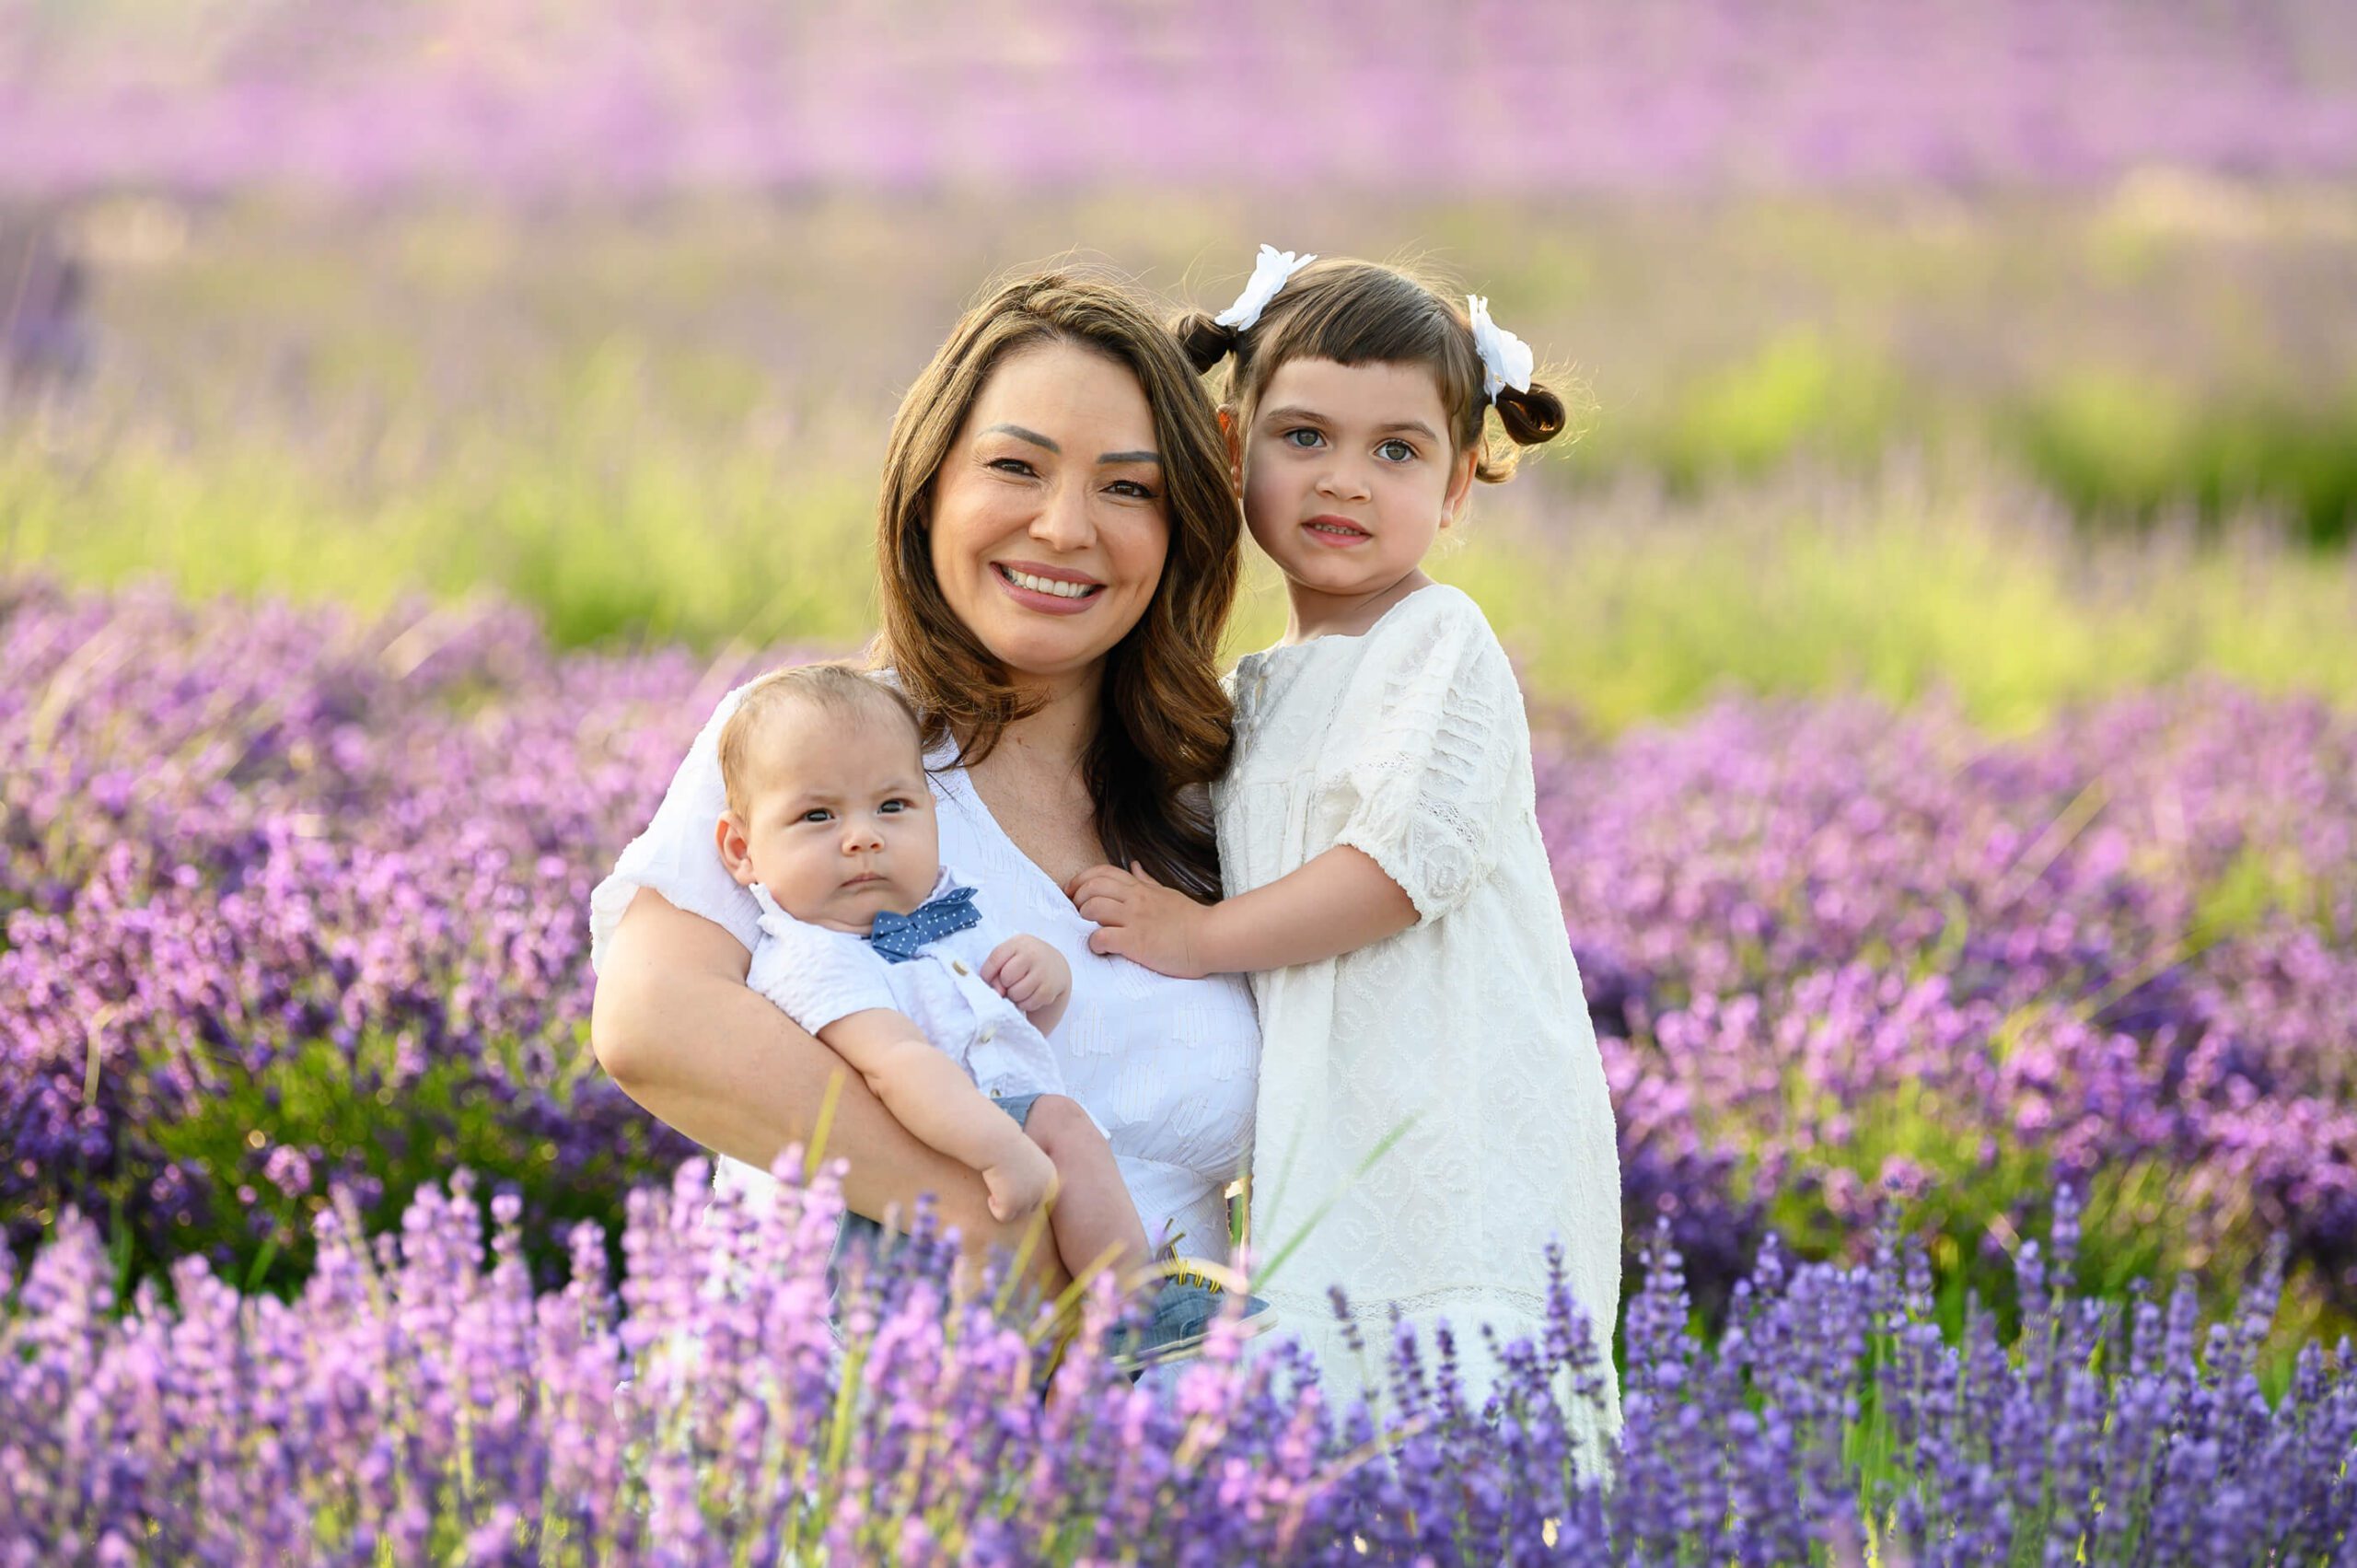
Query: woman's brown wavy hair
x,y
1164,732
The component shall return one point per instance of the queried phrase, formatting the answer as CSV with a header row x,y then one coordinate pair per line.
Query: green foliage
x,y
1622,604
1972,1203
1797,393
2121,446
411,1125
1910,584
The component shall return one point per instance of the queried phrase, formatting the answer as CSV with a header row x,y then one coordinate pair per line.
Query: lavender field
x,y
294,907
1940,641
534,100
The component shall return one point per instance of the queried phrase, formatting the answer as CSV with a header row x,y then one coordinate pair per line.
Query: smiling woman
x,y
1058,550
1025,525
1025,457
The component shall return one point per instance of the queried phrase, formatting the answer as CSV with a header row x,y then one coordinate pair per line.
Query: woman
x,y
1057,550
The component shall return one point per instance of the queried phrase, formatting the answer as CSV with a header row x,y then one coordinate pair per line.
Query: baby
x,y
873,945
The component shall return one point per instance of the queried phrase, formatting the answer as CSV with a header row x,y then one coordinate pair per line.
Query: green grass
x,y
2025,452
1621,605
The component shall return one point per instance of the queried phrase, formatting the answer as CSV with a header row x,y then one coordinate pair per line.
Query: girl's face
x,y
1347,475
1048,525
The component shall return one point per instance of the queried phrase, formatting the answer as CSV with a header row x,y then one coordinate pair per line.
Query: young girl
x,y
1387,888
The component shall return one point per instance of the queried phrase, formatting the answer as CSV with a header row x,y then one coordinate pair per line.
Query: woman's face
x,y
1048,519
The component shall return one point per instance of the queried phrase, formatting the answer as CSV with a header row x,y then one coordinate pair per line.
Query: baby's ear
x,y
729,836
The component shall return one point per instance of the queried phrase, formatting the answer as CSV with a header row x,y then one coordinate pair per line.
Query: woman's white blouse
x,y
1465,1038
1165,1066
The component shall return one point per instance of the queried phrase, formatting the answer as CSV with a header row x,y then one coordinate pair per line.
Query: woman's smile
x,y
1050,589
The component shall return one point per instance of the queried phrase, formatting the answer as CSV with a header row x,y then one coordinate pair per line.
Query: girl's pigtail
x,y
1530,417
1204,340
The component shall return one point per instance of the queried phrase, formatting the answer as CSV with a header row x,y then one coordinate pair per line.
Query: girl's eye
x,y
1395,451
1304,437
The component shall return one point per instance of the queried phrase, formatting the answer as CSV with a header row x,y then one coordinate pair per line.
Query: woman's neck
x,y
1050,741
1034,786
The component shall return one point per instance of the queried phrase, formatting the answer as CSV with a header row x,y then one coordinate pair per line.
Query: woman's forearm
x,y
675,1026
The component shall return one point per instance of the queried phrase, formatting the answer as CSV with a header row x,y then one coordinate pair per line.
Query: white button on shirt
x,y
1167,1066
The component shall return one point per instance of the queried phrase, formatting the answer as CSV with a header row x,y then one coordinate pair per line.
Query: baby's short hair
x,y
837,687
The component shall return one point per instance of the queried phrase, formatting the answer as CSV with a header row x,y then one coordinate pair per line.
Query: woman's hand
x,y
1141,919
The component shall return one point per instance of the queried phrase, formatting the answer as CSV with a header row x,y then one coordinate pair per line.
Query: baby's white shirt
x,y
818,976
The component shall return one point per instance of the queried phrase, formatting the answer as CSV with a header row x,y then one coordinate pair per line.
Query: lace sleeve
x,y
676,855
1442,756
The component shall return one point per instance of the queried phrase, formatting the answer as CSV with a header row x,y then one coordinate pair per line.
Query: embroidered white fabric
x,y
1467,1034
1165,1067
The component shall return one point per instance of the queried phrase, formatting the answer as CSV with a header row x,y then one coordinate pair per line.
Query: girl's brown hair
x,y
1164,729
1365,313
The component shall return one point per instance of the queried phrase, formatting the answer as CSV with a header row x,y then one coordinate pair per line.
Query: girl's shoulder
x,y
1437,625
1442,605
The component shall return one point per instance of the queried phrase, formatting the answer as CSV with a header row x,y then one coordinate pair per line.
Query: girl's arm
x,y
1340,902
674,1023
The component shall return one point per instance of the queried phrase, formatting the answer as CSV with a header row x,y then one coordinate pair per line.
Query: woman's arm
x,y
1338,903
674,1023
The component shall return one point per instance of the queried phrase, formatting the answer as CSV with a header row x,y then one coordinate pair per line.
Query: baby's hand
x,y
1141,919
1028,972
1021,1184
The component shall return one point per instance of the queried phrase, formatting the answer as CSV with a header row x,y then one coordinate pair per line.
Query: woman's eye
x,y
1132,489
1304,437
1013,465
1395,451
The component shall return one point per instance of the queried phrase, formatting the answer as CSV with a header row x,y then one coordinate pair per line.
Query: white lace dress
x,y
1409,743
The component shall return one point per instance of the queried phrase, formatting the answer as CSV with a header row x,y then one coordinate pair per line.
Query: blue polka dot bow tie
x,y
898,937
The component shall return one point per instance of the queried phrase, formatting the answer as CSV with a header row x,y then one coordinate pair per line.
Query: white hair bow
x,y
1507,360
1269,271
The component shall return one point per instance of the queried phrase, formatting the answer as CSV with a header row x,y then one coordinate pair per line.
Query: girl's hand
x,y
1028,972
1139,919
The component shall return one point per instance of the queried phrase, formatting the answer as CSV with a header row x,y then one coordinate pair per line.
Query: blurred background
x,y
1943,632
2008,349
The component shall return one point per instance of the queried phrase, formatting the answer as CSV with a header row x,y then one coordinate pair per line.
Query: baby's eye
x,y
1304,437
895,806
1395,451
817,814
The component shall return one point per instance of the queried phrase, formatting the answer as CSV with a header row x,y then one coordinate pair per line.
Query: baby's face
x,y
842,825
